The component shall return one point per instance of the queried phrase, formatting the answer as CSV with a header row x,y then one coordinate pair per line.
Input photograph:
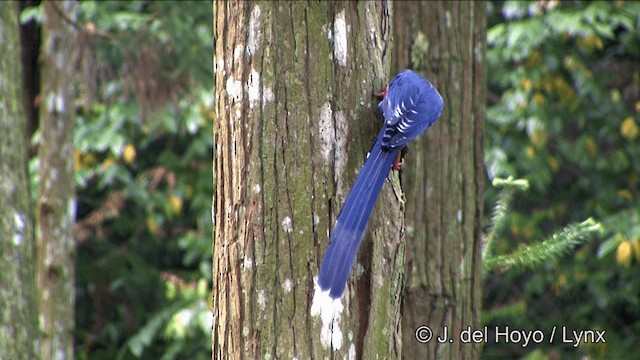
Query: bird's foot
x,y
383,93
398,163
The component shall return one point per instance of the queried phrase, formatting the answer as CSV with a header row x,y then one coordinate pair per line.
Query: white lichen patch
x,y
372,25
287,286
218,64
19,225
327,30
287,225
55,103
267,95
327,132
256,188
234,89
262,300
255,30
341,155
72,206
330,312
247,262
253,88
340,45
237,53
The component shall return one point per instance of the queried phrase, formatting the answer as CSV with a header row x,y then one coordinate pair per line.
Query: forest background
x,y
563,108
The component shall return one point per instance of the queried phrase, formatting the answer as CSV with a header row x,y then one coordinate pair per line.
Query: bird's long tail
x,y
352,221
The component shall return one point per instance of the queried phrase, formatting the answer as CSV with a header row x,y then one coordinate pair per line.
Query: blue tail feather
x,y
352,221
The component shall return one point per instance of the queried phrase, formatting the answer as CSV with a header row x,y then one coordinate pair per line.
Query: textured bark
x,y
56,204
295,118
18,303
444,175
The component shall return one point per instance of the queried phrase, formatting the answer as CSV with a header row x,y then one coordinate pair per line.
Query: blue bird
x,y
410,106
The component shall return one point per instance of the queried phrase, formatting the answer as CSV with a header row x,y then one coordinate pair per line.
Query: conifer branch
x,y
553,247
499,216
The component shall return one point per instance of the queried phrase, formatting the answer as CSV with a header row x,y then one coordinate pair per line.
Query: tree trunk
x,y
56,205
295,118
18,303
444,173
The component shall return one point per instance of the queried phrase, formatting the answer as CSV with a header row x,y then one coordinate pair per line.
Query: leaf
x,y
32,13
608,246
144,337
570,22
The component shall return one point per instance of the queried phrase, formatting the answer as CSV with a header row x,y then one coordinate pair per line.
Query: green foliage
x,y
143,155
535,254
181,323
563,114
499,216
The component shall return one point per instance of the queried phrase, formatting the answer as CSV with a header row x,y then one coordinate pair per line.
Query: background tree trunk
x,y
444,174
295,118
18,302
56,205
